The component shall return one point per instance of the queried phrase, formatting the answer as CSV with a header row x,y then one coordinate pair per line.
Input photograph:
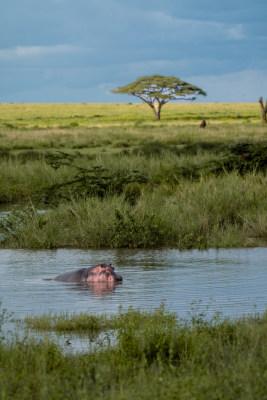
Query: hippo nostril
x,y
119,278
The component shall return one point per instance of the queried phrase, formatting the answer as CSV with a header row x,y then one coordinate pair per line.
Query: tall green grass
x,y
228,211
154,357
29,174
165,184
20,181
113,137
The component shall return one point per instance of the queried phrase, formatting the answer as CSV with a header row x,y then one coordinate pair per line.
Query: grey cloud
x,y
196,28
19,52
76,46
241,86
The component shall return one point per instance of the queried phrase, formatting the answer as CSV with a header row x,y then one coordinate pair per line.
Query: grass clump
x,y
154,356
64,322
91,323
214,212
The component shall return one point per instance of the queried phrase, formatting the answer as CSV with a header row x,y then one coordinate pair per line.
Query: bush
x,y
97,181
132,231
243,157
132,192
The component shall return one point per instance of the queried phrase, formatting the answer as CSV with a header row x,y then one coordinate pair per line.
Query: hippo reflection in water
x,y
100,289
99,273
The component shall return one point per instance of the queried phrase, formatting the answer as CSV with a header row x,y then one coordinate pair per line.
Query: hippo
x,y
99,273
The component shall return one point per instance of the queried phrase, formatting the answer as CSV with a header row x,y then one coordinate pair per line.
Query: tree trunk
x,y
156,111
263,109
157,114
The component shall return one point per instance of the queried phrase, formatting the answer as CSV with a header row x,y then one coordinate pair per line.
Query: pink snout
x,y
104,273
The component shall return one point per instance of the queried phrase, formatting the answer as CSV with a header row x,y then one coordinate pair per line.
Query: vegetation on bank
x,y
215,212
118,182
154,356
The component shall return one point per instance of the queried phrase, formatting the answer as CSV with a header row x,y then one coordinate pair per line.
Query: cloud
x,y
79,45
193,27
242,86
236,32
127,71
88,85
35,51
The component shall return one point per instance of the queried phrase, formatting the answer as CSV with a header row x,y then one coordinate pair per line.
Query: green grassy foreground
x,y
114,177
155,357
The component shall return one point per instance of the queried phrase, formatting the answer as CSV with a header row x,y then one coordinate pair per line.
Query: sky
x,y
66,51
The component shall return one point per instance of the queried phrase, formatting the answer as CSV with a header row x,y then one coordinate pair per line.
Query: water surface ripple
x,y
233,281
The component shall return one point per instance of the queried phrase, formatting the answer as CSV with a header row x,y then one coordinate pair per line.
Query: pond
x,y
231,281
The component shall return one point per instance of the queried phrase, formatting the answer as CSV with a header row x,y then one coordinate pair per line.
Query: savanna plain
x,y
110,176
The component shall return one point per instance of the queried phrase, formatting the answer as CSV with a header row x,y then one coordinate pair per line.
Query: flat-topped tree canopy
x,y
159,90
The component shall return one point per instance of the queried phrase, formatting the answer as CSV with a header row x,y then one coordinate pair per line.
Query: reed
x,y
225,211
159,357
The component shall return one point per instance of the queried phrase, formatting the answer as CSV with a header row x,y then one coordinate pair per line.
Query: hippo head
x,y
103,273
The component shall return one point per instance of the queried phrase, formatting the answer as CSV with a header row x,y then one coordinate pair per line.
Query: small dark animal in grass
x,y
203,124
99,273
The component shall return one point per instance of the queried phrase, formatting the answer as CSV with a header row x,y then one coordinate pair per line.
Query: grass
x,y
29,116
107,126
155,356
214,212
115,139
197,193
115,177
85,323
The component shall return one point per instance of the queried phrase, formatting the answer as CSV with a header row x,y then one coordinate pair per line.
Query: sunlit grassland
x,y
179,162
111,126
145,355
29,116
118,137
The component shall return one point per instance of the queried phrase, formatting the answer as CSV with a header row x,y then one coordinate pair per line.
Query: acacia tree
x,y
157,90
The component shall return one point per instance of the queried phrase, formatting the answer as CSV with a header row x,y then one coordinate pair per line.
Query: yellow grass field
x,y
32,116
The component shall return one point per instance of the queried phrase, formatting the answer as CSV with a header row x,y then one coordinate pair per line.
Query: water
x,y
233,282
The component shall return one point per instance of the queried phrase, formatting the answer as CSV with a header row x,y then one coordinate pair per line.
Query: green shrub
x,y
243,157
132,193
136,231
97,181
